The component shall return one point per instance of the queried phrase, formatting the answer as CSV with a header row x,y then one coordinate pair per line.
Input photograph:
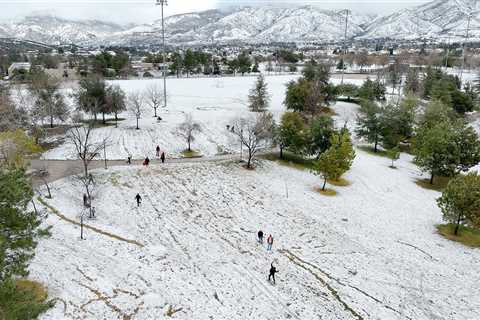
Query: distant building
x,y
17,66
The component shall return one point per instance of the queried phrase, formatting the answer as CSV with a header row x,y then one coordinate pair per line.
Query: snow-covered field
x,y
371,252
213,102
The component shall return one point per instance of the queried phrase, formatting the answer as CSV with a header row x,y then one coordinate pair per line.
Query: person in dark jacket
x,y
158,151
146,162
260,236
139,199
162,157
273,270
129,160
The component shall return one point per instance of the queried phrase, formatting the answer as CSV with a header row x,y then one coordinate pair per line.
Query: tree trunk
x,y
137,125
281,153
324,184
103,118
155,108
249,162
116,120
188,141
51,121
376,145
95,116
457,226
431,178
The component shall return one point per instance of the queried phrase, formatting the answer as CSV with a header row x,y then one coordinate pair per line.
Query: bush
x,y
22,300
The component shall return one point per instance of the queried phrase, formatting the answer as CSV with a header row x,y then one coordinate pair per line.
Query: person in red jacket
x,y
269,243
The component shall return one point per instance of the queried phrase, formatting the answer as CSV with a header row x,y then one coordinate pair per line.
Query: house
x,y
18,66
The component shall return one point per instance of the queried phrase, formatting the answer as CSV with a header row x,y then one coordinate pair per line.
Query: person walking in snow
x,y
162,157
260,236
269,243
273,270
146,162
139,199
129,160
158,151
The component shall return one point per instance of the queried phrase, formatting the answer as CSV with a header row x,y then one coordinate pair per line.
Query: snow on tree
x,y
188,128
154,97
393,154
254,131
460,201
259,97
90,96
136,101
11,116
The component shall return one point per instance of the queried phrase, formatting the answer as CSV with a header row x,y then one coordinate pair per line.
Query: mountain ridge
x,y
439,19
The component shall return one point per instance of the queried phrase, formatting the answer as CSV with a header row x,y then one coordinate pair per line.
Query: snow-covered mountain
x,y
54,30
265,24
436,19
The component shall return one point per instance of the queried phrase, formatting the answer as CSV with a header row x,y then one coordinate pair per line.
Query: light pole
x,y
344,43
163,3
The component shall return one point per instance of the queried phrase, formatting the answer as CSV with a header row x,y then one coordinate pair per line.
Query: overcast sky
x,y
144,11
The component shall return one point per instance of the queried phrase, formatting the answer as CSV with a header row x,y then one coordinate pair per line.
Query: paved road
x,y
59,169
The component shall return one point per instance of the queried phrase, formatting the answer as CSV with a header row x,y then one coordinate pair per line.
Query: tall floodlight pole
x,y
464,45
344,44
163,3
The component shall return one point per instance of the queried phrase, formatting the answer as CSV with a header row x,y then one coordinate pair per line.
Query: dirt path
x,y
59,169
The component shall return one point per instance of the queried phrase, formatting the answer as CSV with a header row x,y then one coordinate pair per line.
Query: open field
x,y
370,252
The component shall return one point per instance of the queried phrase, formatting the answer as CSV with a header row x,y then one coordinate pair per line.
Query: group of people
x,y
146,161
273,269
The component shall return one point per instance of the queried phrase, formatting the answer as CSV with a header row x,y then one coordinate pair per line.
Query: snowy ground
x,y
371,252
213,102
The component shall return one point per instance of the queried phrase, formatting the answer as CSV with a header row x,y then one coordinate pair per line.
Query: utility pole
x,y
105,153
464,45
163,3
344,44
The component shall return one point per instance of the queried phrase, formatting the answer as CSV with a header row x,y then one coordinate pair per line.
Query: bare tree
x,y
86,147
254,131
154,96
188,128
136,100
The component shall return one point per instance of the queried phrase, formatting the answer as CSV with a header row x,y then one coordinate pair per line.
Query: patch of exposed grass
x,y
327,192
22,299
191,154
468,236
340,182
371,150
290,160
439,183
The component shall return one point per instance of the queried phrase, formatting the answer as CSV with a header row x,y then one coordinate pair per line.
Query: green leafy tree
x,y
446,148
412,83
91,96
244,63
460,201
292,133
321,131
393,154
14,147
337,160
115,100
372,90
370,123
348,90
259,97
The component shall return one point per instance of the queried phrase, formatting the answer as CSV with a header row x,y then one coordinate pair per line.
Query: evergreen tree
x,y
460,201
259,97
370,123
244,63
292,133
321,131
337,160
